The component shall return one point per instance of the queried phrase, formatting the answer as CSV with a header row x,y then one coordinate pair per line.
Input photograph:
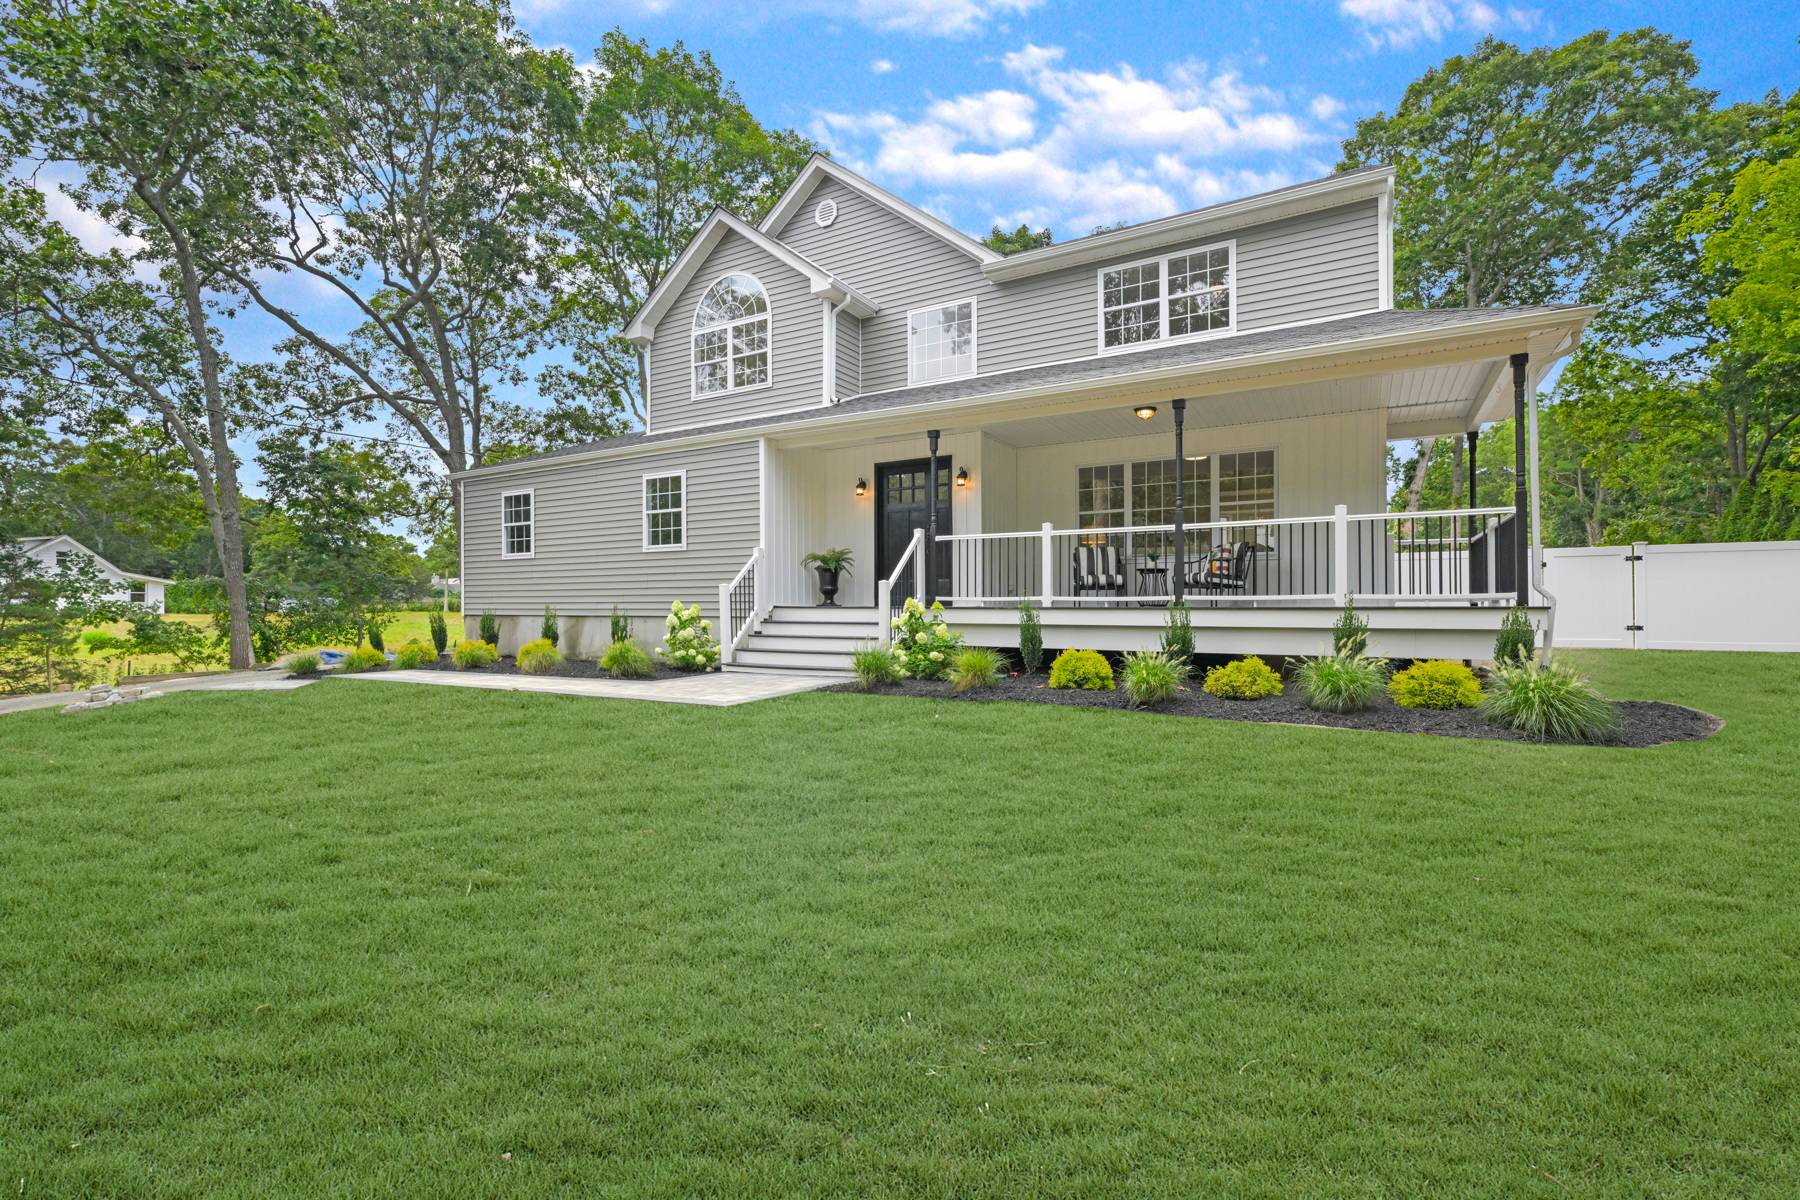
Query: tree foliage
x,y
1018,240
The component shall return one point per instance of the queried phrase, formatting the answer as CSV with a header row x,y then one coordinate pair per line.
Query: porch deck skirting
x,y
1451,631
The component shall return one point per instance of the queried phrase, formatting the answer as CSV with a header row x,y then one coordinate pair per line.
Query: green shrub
x,y
539,657
1152,679
625,659
304,664
1548,702
366,658
1517,640
1435,683
619,625
923,641
413,655
1082,669
1341,683
548,630
1350,633
1031,638
875,666
1178,632
375,638
976,667
690,644
1246,679
490,627
468,656
440,633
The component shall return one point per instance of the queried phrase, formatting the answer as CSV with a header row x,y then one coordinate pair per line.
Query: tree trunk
x,y
1456,472
1426,447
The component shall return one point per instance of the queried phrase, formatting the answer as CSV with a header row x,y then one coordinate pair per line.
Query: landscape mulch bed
x,y
572,668
1643,722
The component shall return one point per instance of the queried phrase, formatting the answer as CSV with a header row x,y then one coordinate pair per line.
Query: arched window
x,y
731,336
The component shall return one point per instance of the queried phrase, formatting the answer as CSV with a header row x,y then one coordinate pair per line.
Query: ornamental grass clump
x,y
471,656
304,664
875,666
1081,669
366,658
925,644
1245,679
1548,703
1341,683
976,668
539,657
689,644
627,660
1435,683
1152,679
413,655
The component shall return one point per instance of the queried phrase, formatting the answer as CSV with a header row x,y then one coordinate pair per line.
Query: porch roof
x,y
1396,332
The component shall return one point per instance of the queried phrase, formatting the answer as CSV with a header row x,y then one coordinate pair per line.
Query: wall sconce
x,y
962,477
1145,411
862,487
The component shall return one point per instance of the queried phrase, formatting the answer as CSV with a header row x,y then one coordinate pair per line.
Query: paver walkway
x,y
717,690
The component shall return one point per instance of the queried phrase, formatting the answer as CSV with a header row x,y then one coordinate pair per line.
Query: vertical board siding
x,y
588,550
796,332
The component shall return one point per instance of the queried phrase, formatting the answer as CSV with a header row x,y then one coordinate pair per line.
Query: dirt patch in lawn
x,y
1643,723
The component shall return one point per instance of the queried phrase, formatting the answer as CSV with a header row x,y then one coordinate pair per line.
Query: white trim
x,y
828,385
1384,247
1229,245
808,179
462,543
974,342
44,541
644,507
530,525
645,350
767,316
1330,192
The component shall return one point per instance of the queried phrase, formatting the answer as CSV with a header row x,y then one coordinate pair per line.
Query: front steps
x,y
808,639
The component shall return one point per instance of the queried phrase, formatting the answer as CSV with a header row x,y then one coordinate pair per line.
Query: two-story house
x,y
977,428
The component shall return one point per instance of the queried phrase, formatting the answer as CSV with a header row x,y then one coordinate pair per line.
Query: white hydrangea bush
x,y
689,644
923,643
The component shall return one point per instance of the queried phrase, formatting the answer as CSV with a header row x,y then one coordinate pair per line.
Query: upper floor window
x,y
516,527
665,511
1181,296
940,342
731,336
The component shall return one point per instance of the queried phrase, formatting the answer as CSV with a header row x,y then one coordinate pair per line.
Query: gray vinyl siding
x,y
588,535
849,355
796,365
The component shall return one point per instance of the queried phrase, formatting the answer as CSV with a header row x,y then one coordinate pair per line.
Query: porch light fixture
x,y
1145,411
862,487
962,477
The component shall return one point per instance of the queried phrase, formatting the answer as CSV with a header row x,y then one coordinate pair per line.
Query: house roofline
x,y
818,165
1576,316
1345,187
40,540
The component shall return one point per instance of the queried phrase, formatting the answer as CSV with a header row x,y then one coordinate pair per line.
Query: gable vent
x,y
825,213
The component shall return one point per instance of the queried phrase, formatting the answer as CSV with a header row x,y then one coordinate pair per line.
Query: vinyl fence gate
x,y
1702,596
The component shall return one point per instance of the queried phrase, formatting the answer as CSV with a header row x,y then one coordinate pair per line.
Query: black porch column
x,y
928,568
1520,560
1178,569
1474,436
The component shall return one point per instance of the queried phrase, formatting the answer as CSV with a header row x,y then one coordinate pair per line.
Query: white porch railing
x,y
1389,558
884,591
738,607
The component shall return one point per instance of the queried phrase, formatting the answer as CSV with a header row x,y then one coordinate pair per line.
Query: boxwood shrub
x,y
1081,669
413,655
1245,679
365,658
1435,683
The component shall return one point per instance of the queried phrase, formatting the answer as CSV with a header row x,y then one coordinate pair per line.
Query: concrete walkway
x,y
717,690
224,681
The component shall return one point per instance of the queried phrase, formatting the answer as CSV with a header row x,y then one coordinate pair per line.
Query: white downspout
x,y
829,390
1537,536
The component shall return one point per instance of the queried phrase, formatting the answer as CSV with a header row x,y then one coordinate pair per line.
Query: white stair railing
x,y
884,591
738,608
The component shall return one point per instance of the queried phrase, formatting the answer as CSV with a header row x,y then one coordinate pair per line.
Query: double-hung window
x,y
731,337
940,342
516,530
1175,298
1247,486
1238,487
665,511
137,593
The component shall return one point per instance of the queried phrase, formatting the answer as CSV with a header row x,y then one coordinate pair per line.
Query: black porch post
x,y
1520,560
1474,441
928,568
1178,569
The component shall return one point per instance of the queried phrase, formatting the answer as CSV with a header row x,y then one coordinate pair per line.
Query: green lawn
x,y
365,939
403,627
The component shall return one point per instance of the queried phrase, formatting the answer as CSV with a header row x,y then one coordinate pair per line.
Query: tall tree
x,y
148,105
662,140
1018,240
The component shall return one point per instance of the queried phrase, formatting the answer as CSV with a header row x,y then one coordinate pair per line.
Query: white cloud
x,y
90,229
1400,23
881,66
1077,147
924,18
1325,107
938,18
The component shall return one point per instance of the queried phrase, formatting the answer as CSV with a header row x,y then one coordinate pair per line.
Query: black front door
x,y
900,508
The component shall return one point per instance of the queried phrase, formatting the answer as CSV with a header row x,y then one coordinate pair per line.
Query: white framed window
x,y
731,337
1238,487
517,531
1246,490
940,342
1177,298
665,511
137,593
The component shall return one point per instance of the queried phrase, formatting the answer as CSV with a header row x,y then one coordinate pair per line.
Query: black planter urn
x,y
828,586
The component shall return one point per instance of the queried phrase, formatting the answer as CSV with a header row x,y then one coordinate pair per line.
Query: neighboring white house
x,y
146,590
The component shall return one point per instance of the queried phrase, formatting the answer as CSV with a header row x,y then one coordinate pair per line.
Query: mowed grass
x,y
839,945
402,628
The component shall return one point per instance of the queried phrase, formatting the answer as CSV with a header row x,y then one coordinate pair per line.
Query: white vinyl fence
x,y
1705,596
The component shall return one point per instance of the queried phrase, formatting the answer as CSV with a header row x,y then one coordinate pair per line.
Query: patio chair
x,y
1224,569
1098,571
